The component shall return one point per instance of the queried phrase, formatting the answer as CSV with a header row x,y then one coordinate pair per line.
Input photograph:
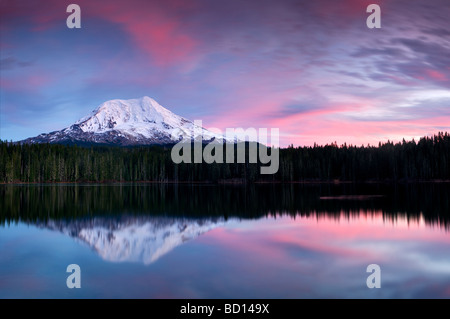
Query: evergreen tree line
x,y
427,159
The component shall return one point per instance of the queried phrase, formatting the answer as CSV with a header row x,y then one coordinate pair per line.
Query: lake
x,y
225,241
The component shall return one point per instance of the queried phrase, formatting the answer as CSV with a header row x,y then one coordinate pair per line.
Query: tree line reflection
x,y
33,203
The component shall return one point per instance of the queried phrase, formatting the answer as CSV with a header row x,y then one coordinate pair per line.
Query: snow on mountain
x,y
130,122
133,239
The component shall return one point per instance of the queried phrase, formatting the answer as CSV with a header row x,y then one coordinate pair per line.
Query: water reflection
x,y
206,241
133,239
327,257
427,201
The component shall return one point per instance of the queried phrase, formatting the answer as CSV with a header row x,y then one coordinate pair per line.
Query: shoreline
x,y
234,182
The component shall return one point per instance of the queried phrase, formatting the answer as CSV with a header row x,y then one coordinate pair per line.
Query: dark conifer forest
x,y
423,160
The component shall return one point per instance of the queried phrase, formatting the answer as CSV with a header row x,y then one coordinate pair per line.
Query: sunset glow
x,y
311,68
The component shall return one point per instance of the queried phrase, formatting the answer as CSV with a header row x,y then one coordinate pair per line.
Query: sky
x,y
313,69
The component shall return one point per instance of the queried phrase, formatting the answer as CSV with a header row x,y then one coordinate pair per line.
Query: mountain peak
x,y
128,115
141,121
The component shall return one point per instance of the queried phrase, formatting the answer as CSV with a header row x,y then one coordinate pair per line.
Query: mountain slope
x,y
128,122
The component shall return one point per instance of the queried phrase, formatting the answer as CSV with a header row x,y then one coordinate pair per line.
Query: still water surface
x,y
217,241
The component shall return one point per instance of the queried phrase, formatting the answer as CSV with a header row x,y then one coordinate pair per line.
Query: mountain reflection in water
x,y
225,241
133,239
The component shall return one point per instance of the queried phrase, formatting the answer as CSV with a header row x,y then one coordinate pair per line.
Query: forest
x,y
423,160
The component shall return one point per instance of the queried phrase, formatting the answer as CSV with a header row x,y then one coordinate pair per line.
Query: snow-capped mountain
x,y
133,239
129,122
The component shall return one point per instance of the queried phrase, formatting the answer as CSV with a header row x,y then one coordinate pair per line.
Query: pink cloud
x,y
436,75
156,27
29,83
164,41
320,234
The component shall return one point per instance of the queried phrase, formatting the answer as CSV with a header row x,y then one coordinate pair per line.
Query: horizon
x,y
313,70
315,144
